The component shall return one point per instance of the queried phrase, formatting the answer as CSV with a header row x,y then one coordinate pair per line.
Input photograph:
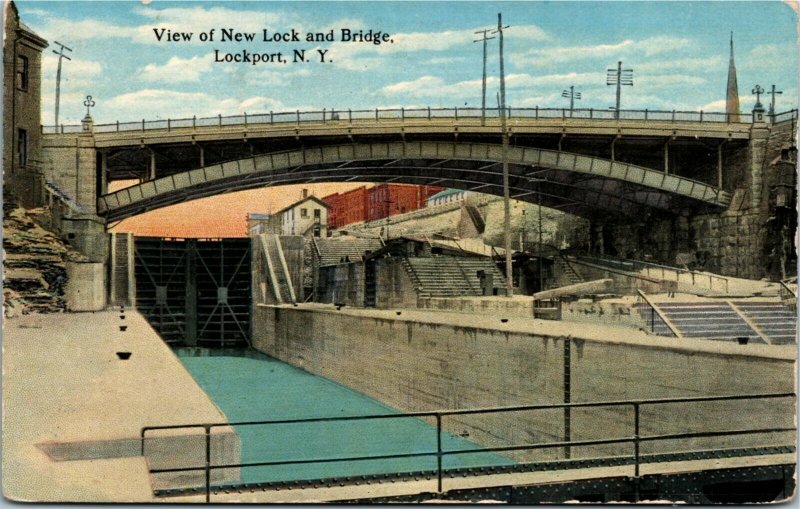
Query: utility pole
x,y
572,95
619,77
506,193
483,89
773,93
61,56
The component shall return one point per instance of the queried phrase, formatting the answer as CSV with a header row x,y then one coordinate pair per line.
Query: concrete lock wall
x,y
415,366
86,286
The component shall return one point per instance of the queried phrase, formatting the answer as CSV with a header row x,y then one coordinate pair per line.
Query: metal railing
x,y
440,453
656,316
788,295
298,117
665,272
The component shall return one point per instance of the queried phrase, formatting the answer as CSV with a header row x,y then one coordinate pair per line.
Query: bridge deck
x,y
361,127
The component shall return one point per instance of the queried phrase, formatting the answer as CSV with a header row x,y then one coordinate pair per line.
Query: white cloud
x,y
434,86
361,57
558,55
177,70
684,64
152,103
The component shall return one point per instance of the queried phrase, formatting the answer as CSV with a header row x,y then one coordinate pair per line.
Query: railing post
x,y
439,451
645,113
298,117
323,115
142,126
636,451
62,129
376,114
271,117
117,125
701,115
536,114
636,439
169,124
349,115
403,113
563,113
429,112
245,119
673,115
219,116
456,112
652,320
591,113
208,463
194,121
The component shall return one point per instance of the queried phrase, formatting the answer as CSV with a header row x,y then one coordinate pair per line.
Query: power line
x,y
619,77
483,89
506,192
773,93
61,56
572,95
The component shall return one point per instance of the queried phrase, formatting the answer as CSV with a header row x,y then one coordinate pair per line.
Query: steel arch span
x,y
578,184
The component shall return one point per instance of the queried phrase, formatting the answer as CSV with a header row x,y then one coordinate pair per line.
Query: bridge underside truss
x,y
577,184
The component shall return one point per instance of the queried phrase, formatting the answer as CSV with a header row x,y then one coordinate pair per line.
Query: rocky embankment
x,y
34,265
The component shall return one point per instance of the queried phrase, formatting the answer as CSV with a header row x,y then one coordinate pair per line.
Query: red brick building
x,y
377,202
348,207
391,199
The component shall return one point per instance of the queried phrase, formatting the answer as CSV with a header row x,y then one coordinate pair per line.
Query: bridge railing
x,y
633,419
403,114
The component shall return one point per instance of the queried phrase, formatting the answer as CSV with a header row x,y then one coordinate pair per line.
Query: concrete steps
x,y
720,321
451,276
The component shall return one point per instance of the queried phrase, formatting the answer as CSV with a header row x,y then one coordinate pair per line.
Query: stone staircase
x,y
450,276
332,251
721,321
278,274
565,274
774,319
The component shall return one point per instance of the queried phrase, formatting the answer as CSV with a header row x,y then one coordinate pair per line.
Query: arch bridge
x,y
581,161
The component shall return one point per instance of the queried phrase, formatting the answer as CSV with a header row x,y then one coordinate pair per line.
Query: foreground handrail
x,y
636,439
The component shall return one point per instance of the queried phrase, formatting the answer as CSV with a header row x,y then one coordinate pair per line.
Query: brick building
x,y
391,199
377,202
22,78
348,207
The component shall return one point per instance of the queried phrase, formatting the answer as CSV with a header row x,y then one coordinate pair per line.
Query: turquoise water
x,y
255,387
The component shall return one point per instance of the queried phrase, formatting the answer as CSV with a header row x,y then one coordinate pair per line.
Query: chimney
x,y
305,193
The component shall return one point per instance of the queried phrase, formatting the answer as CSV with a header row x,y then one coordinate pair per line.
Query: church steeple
x,y
732,97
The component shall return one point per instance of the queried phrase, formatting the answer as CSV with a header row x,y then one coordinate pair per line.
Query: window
x,y
317,214
303,212
22,72
22,147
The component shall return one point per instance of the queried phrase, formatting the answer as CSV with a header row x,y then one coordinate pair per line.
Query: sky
x,y
678,52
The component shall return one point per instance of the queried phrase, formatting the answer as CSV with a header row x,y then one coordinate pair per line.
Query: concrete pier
x,y
73,410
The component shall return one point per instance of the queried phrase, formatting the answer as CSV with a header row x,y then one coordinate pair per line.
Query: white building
x,y
307,217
